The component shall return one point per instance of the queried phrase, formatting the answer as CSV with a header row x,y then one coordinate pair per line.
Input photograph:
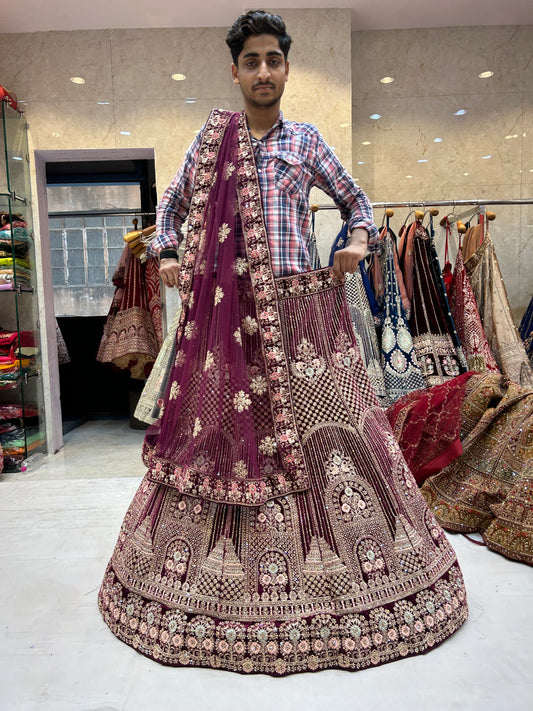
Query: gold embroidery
x,y
223,232
241,401
250,325
197,427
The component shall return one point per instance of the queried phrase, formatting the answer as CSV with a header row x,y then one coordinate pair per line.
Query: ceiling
x,y
36,15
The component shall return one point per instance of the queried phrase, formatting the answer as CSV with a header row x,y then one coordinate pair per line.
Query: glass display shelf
x,y
22,418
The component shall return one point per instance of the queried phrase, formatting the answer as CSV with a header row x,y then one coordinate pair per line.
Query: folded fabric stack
x,y
15,268
19,433
17,356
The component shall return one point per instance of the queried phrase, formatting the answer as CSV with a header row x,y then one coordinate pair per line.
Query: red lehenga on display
x,y
278,528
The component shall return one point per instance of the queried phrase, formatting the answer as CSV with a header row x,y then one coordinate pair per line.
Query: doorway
x,y
91,202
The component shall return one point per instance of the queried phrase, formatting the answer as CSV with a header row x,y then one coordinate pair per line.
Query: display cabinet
x,y
22,426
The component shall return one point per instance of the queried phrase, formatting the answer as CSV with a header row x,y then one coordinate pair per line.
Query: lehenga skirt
x,y
352,572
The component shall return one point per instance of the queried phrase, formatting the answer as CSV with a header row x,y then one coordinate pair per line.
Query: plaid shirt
x,y
291,158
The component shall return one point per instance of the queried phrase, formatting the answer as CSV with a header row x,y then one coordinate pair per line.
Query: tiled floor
x,y
58,525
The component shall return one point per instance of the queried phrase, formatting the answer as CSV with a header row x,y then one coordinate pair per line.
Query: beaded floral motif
x,y
309,365
250,325
241,401
346,355
223,232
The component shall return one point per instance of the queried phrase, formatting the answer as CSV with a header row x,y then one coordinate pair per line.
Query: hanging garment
x,y
362,321
427,425
148,408
526,330
489,488
487,284
401,371
62,350
437,354
133,331
467,321
307,545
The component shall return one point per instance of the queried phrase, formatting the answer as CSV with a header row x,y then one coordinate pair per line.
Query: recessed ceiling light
x,y
408,176
360,162
437,140
486,75
466,173
125,133
387,80
460,112
422,160
17,158
103,103
486,157
511,135
190,100
77,80
178,77
375,117
366,143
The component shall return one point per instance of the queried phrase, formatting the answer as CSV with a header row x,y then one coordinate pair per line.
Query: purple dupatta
x,y
227,430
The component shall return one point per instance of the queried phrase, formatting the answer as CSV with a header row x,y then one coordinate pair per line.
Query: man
x,y
278,529
259,45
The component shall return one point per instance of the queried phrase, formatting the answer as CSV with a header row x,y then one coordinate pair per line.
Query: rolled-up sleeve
x,y
352,201
173,208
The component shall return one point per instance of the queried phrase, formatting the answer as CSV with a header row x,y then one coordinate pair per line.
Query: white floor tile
x,y
58,529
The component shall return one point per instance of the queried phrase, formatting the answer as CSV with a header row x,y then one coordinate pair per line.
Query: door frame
x,y
45,291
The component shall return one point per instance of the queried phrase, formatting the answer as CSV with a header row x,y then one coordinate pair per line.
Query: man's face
x,y
261,71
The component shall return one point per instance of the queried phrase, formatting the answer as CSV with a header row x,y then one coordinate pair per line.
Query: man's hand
x,y
169,270
347,259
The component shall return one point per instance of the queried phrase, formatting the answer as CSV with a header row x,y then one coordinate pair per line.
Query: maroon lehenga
x,y
278,528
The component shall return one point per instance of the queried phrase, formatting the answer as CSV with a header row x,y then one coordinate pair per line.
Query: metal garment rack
x,y
433,203
102,213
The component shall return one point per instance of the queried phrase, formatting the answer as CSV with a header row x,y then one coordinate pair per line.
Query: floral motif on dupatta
x,y
228,430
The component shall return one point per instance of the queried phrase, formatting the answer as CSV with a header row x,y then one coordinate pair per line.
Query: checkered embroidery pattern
x,y
291,159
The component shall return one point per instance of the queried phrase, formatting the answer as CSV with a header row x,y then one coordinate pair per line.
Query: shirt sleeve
x,y
173,208
353,203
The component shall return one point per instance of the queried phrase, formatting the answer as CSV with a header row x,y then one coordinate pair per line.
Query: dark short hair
x,y
257,22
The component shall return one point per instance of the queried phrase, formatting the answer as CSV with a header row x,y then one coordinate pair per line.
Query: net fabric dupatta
x,y
227,432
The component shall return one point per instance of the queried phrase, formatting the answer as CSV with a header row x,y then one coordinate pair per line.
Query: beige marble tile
x,y
320,51
69,125
39,65
438,61
524,48
170,130
144,60
405,135
328,108
526,140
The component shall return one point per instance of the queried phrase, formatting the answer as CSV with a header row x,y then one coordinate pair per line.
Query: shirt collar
x,y
280,124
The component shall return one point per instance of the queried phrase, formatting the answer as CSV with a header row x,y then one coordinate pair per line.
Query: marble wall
x,y
485,153
130,103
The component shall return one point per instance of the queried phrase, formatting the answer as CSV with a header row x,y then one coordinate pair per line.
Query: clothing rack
x,y
433,203
102,213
